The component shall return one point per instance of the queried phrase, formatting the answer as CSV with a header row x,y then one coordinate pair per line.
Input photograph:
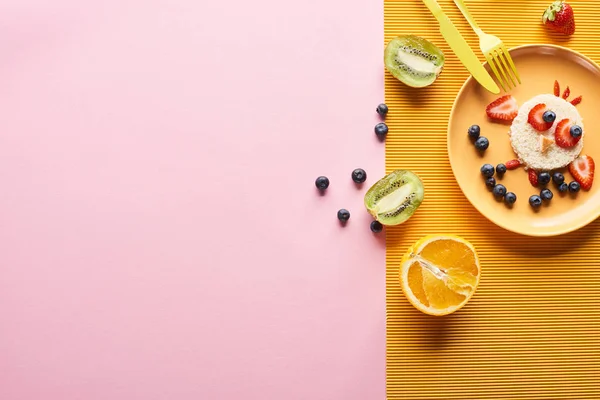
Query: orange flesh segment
x,y
438,293
447,254
415,282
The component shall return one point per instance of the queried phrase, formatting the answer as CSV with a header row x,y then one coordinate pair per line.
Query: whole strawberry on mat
x,y
559,17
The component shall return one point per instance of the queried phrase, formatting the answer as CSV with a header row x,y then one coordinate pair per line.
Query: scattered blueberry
x,y
500,169
558,178
546,194
535,201
576,131
490,182
510,198
499,191
474,131
382,109
322,183
381,130
574,187
376,227
482,143
487,170
543,178
563,187
359,175
549,116
343,215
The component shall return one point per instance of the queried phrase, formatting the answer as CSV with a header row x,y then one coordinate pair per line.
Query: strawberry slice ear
x,y
556,89
504,108
583,169
576,100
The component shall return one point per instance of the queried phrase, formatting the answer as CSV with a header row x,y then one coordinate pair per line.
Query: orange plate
x,y
538,66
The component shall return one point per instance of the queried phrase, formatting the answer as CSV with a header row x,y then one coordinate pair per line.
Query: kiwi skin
x,y
415,46
396,180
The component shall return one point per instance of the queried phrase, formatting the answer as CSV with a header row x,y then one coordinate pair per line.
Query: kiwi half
x,y
413,60
395,198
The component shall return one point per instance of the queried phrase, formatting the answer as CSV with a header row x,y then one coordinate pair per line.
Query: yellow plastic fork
x,y
494,51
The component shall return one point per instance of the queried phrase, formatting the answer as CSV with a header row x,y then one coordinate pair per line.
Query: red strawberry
x,y
559,18
536,118
576,100
556,89
512,164
566,93
582,169
562,135
533,177
504,109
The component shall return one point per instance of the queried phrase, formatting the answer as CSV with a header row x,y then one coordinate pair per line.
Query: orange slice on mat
x,y
439,274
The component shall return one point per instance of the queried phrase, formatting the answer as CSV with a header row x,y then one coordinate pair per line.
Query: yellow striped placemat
x,y
532,331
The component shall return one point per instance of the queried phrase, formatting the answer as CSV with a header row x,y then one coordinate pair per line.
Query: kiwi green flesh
x,y
413,60
395,198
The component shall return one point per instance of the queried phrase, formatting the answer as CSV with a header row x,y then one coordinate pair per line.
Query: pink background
x,y
160,233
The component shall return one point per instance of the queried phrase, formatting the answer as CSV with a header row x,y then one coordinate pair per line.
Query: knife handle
x,y
435,8
465,11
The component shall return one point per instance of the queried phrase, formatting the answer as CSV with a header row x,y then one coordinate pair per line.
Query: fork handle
x,y
465,11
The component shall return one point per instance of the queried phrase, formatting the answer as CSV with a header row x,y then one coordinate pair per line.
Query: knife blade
x,y
461,48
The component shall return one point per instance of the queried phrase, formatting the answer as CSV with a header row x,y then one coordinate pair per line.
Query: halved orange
x,y
439,274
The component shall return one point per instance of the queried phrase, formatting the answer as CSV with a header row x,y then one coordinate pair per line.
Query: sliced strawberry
x,y
504,108
562,135
536,118
512,164
566,93
533,177
556,89
582,169
576,100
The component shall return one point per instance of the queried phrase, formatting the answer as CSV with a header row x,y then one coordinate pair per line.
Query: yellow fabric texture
x,y
532,330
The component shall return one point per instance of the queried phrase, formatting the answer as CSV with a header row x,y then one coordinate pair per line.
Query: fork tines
x,y
503,67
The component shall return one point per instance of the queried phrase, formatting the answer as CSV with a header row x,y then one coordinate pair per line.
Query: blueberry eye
x,y
549,116
576,131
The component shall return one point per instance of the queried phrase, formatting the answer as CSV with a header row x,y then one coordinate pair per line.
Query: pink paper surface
x,y
161,236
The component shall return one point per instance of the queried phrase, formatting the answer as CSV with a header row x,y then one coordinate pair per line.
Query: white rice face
x,y
526,141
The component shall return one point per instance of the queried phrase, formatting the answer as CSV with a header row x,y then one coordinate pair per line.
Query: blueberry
x,y
382,109
563,187
574,187
535,201
487,170
343,215
546,194
543,178
499,191
359,175
376,227
549,116
576,131
500,169
482,143
490,182
510,198
322,183
558,178
474,131
381,130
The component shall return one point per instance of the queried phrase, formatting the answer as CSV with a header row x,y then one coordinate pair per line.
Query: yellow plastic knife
x,y
461,48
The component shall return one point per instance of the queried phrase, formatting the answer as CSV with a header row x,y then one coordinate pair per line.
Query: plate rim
x,y
568,229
